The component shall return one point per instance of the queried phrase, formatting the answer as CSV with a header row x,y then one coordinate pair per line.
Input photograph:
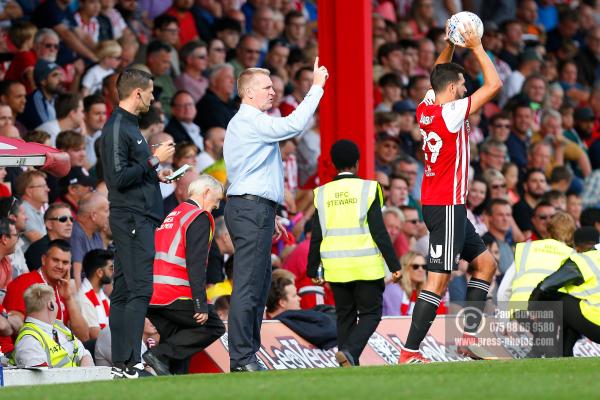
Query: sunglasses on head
x,y
62,219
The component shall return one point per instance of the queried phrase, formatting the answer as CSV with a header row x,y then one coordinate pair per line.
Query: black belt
x,y
257,199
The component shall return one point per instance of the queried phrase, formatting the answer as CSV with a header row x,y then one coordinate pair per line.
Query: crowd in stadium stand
x,y
535,150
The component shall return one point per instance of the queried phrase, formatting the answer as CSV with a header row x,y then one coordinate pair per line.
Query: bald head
x,y
92,202
159,138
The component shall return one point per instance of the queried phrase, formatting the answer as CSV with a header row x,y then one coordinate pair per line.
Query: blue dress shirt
x,y
251,148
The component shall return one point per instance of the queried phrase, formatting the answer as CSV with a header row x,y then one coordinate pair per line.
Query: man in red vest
x,y
178,307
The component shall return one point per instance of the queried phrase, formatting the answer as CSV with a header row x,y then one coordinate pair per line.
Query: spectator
x,y
185,153
411,230
109,91
44,341
591,190
399,298
213,148
574,90
277,57
564,150
390,57
386,150
568,25
425,57
92,217
476,198
33,190
187,25
534,186
283,296
410,135
95,305
6,117
181,125
117,28
13,208
542,213
407,166
539,155
180,194
422,18
556,198
588,58
55,14
492,155
302,83
59,225
109,52
417,87
560,179
278,88
40,105
94,118
499,220
496,184
22,34
583,128
13,94
228,32
295,29
263,27
8,242
74,187
193,57
56,263
69,116
151,124
85,24
216,53
247,54
574,207
216,107
518,141
220,259
158,60
391,91
530,63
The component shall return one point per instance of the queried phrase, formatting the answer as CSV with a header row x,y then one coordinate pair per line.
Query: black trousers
x,y
180,335
132,286
573,324
250,225
358,306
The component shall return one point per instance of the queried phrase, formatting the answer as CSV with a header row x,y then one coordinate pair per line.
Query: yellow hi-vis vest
x,y
56,355
589,291
534,261
348,252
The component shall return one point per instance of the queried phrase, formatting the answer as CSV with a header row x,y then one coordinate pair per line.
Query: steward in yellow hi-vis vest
x,y
178,308
351,242
576,284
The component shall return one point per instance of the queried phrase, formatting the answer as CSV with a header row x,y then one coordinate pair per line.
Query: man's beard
x,y
105,280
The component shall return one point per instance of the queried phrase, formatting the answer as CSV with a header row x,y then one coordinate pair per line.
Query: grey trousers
x,y
250,225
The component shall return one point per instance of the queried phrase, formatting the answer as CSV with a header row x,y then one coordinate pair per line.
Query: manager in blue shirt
x,y
255,172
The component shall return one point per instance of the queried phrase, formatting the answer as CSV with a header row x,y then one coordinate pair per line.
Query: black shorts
x,y
451,237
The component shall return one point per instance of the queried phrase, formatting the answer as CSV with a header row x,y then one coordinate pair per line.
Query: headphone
x,y
51,307
142,100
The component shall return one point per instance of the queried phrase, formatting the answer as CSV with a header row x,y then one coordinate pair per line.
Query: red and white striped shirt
x,y
445,132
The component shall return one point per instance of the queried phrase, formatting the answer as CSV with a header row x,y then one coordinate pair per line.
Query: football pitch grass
x,y
516,379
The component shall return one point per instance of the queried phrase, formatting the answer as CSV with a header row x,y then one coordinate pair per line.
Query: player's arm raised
x,y
491,81
446,54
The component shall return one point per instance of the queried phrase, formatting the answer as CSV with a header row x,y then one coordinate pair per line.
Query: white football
x,y
457,20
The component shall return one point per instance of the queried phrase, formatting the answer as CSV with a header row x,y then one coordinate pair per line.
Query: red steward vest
x,y
171,280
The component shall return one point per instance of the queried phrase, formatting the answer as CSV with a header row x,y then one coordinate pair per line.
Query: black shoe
x,y
159,366
136,371
344,359
251,367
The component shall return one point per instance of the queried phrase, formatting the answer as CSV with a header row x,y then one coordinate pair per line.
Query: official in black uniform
x,y
135,211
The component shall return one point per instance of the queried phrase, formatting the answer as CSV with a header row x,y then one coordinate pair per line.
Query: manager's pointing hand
x,y
320,74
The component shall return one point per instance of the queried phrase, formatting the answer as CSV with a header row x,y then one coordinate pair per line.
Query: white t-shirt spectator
x,y
103,352
92,80
52,128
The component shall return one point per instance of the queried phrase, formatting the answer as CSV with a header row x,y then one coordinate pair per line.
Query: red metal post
x,y
346,49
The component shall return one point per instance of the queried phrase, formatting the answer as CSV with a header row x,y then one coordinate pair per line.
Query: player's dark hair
x,y
445,74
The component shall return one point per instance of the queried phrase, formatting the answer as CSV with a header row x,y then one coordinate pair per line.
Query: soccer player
x,y
442,117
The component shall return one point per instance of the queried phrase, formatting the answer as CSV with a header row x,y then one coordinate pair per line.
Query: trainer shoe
x,y
412,357
344,359
470,347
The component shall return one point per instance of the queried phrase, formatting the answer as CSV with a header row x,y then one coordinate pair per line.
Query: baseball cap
x,y
530,55
583,114
404,106
77,176
42,69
